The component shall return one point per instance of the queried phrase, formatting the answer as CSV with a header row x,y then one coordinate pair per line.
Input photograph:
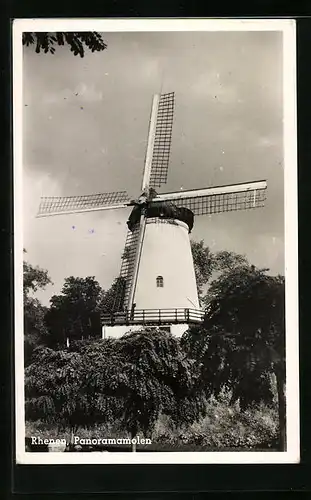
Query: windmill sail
x,y
219,199
126,277
155,174
56,205
159,141
162,140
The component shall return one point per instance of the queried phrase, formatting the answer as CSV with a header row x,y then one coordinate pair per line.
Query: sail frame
x,y
159,141
58,205
218,199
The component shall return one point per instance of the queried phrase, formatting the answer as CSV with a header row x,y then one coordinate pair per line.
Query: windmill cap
x,y
163,210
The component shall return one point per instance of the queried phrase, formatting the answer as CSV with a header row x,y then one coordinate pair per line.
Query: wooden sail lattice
x,y
201,201
162,140
127,269
53,205
224,202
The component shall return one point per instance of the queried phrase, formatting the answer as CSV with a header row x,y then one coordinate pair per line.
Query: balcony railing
x,y
153,317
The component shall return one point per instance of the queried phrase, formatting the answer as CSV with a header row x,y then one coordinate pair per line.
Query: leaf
x,y
242,332
77,41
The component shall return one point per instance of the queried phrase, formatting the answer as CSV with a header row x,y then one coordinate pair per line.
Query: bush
x,y
225,427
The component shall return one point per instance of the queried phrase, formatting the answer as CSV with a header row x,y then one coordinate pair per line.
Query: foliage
x,y
206,263
145,374
75,312
241,342
34,278
149,373
251,305
77,41
224,427
133,379
59,389
112,299
54,388
35,331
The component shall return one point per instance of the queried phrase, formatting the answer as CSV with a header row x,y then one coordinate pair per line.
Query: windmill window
x,y
160,281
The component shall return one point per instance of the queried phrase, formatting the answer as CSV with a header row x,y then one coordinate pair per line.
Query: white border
x,y
287,26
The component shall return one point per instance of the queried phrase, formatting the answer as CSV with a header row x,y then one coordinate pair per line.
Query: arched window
x,y
160,281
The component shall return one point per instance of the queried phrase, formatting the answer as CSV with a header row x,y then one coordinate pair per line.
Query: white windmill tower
x,y
157,285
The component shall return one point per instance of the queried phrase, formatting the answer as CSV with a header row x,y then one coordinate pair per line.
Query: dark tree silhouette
x,y
207,262
242,342
133,379
113,298
77,41
74,313
34,278
35,331
55,389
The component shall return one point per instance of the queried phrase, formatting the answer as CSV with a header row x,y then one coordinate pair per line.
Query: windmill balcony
x,y
153,317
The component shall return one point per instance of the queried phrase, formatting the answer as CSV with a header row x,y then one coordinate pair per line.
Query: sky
x,y
85,127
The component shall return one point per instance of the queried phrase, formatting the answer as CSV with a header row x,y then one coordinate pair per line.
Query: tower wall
x,y
166,252
118,331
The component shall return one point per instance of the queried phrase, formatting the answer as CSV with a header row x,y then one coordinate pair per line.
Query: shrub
x,y
225,427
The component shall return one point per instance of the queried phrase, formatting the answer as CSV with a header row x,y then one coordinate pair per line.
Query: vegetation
x,y
78,42
75,313
55,389
241,343
112,299
133,379
207,263
35,330
222,385
225,427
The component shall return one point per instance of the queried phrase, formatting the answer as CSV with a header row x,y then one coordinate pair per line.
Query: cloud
x,y
88,93
80,93
210,84
36,185
150,69
88,244
224,102
268,141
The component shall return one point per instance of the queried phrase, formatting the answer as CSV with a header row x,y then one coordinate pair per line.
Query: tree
x,y
75,312
206,263
112,299
34,278
54,389
77,41
242,341
35,331
63,387
132,379
148,373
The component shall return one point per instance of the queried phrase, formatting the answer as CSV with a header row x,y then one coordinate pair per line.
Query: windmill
x,y
157,284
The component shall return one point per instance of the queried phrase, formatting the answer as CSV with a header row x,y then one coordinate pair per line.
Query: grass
x,y
225,428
